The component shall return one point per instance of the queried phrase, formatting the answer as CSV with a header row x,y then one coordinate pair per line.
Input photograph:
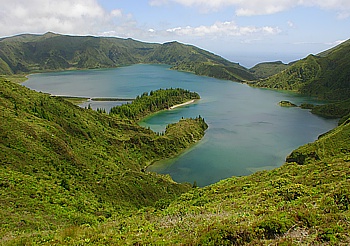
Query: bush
x,y
272,227
341,198
227,236
292,192
329,234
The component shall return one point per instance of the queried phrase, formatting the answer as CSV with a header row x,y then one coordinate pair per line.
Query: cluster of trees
x,y
154,101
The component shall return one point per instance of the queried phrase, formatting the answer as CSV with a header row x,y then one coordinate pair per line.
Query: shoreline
x,y
181,104
170,108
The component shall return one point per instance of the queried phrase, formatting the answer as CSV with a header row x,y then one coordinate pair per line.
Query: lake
x,y
248,131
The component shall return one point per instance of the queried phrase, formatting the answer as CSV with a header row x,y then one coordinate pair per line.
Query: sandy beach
x,y
180,105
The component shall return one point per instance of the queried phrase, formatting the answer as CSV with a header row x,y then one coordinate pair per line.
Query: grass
x,y
292,205
63,166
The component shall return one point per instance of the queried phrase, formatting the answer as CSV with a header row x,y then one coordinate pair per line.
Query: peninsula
x,y
155,101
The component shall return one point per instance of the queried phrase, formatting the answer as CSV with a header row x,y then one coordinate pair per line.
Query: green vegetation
x,y
338,110
153,102
28,53
325,76
287,104
19,78
306,201
64,166
267,69
72,176
333,110
233,72
332,146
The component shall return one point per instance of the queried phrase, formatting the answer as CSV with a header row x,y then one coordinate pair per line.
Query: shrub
x,y
274,226
292,192
341,198
227,236
329,234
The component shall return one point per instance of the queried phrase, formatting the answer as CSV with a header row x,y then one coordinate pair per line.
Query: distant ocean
x,y
249,60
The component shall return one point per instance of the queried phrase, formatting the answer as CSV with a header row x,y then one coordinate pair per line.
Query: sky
x,y
243,31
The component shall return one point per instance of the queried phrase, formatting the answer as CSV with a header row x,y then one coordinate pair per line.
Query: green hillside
x,y
334,49
326,76
300,203
192,59
62,165
267,69
71,176
333,110
51,52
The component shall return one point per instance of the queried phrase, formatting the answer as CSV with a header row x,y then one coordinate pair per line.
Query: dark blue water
x,y
248,130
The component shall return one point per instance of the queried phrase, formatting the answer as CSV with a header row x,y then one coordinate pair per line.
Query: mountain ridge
x,y
326,75
26,53
53,52
267,69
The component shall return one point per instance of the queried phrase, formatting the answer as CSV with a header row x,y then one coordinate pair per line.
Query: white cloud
x,y
62,16
259,7
158,2
87,17
220,29
342,7
343,15
117,13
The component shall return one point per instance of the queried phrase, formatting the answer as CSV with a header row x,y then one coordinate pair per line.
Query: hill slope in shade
x,y
52,52
326,76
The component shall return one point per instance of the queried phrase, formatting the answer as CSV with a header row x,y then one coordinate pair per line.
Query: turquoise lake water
x,y
248,130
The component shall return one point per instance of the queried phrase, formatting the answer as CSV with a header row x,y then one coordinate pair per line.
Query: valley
x,y
73,176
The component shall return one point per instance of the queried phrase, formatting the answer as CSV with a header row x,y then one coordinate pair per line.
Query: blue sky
x,y
248,32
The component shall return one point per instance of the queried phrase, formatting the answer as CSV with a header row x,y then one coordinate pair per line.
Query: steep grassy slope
x,y
175,53
267,69
333,110
62,165
326,76
304,202
30,53
26,53
192,59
